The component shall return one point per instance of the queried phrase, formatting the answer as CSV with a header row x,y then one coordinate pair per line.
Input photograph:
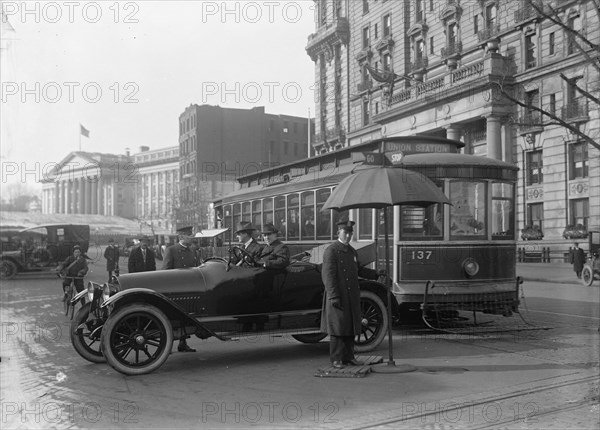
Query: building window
x,y
365,6
323,12
431,45
375,31
534,168
579,211
431,2
338,8
295,127
491,12
578,160
475,24
387,25
387,62
365,38
552,104
419,51
535,215
574,23
532,98
572,93
366,111
419,10
551,44
530,51
285,147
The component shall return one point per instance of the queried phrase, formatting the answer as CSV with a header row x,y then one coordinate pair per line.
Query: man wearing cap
x,y
111,253
142,258
248,243
73,269
340,317
181,255
275,255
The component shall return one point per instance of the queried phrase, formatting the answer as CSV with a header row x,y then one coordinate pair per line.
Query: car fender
x,y
151,297
15,257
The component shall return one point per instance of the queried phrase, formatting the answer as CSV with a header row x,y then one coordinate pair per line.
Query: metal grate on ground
x,y
350,371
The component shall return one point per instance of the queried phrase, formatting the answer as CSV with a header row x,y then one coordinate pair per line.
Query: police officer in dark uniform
x,y
181,255
340,316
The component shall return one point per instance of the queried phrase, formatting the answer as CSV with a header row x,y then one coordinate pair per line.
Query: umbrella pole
x,y
389,289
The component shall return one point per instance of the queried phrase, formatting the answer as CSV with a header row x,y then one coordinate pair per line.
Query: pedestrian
x,y
244,232
275,255
340,316
577,259
73,269
111,253
181,255
142,258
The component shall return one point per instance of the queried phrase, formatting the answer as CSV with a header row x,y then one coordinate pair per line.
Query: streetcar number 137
x,y
421,255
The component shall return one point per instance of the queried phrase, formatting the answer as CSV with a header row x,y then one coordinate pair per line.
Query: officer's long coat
x,y
340,274
178,256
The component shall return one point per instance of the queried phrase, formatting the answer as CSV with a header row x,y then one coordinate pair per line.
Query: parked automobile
x,y
132,324
40,248
591,269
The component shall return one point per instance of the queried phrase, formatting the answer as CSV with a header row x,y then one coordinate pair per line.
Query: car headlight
x,y
471,267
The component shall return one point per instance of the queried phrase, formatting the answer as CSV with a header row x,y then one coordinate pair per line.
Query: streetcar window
x,y
293,219
227,216
237,217
256,213
308,215
279,216
246,211
323,220
468,211
418,223
365,224
503,214
268,211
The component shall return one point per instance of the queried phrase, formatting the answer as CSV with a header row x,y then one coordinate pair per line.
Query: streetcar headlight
x,y
471,267
90,291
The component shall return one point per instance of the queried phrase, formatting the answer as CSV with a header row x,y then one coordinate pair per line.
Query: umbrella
x,y
380,187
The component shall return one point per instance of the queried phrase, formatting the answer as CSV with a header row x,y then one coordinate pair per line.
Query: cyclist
x,y
73,269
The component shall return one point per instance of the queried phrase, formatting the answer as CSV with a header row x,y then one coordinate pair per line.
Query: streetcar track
x,y
487,401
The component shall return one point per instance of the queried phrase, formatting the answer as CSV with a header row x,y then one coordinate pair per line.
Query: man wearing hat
x,y
340,317
275,255
73,269
111,253
248,243
142,258
179,256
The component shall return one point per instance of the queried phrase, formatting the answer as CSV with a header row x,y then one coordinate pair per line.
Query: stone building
x,y
216,145
438,67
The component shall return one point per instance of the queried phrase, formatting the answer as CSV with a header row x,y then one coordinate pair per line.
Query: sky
x,y
126,70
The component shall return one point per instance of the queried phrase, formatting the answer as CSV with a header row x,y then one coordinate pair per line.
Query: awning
x,y
210,233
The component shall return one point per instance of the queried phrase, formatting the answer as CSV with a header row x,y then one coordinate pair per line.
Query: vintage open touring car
x,y
132,324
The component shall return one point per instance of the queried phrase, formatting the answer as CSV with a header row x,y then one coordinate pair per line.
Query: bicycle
x,y
69,292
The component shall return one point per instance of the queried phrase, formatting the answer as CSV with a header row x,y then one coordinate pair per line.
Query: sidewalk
x,y
558,273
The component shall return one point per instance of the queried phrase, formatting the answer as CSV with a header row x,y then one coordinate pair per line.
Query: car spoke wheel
x,y
85,337
374,320
8,269
587,275
137,339
310,338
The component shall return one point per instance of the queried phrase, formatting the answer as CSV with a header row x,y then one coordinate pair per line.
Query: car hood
x,y
165,281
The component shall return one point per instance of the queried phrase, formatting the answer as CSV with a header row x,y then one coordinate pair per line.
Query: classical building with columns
x,y
398,68
157,186
91,183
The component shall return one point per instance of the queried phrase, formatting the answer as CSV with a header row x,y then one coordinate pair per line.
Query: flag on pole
x,y
84,131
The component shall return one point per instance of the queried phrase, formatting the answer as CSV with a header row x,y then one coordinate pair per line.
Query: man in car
x,y
181,255
73,269
247,242
142,258
340,317
275,255
111,253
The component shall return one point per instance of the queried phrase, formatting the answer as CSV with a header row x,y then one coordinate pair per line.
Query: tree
x,y
590,52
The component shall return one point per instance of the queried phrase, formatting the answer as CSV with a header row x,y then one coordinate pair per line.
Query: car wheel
x,y
587,275
8,269
310,338
374,319
137,339
85,343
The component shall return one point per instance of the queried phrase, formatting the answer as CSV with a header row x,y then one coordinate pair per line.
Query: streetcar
x,y
451,257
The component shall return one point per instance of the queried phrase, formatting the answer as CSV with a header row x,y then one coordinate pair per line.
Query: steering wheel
x,y
242,255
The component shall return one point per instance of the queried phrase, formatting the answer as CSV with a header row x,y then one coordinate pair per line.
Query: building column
x,y
63,196
507,141
94,196
56,202
88,195
454,132
494,137
73,196
81,196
